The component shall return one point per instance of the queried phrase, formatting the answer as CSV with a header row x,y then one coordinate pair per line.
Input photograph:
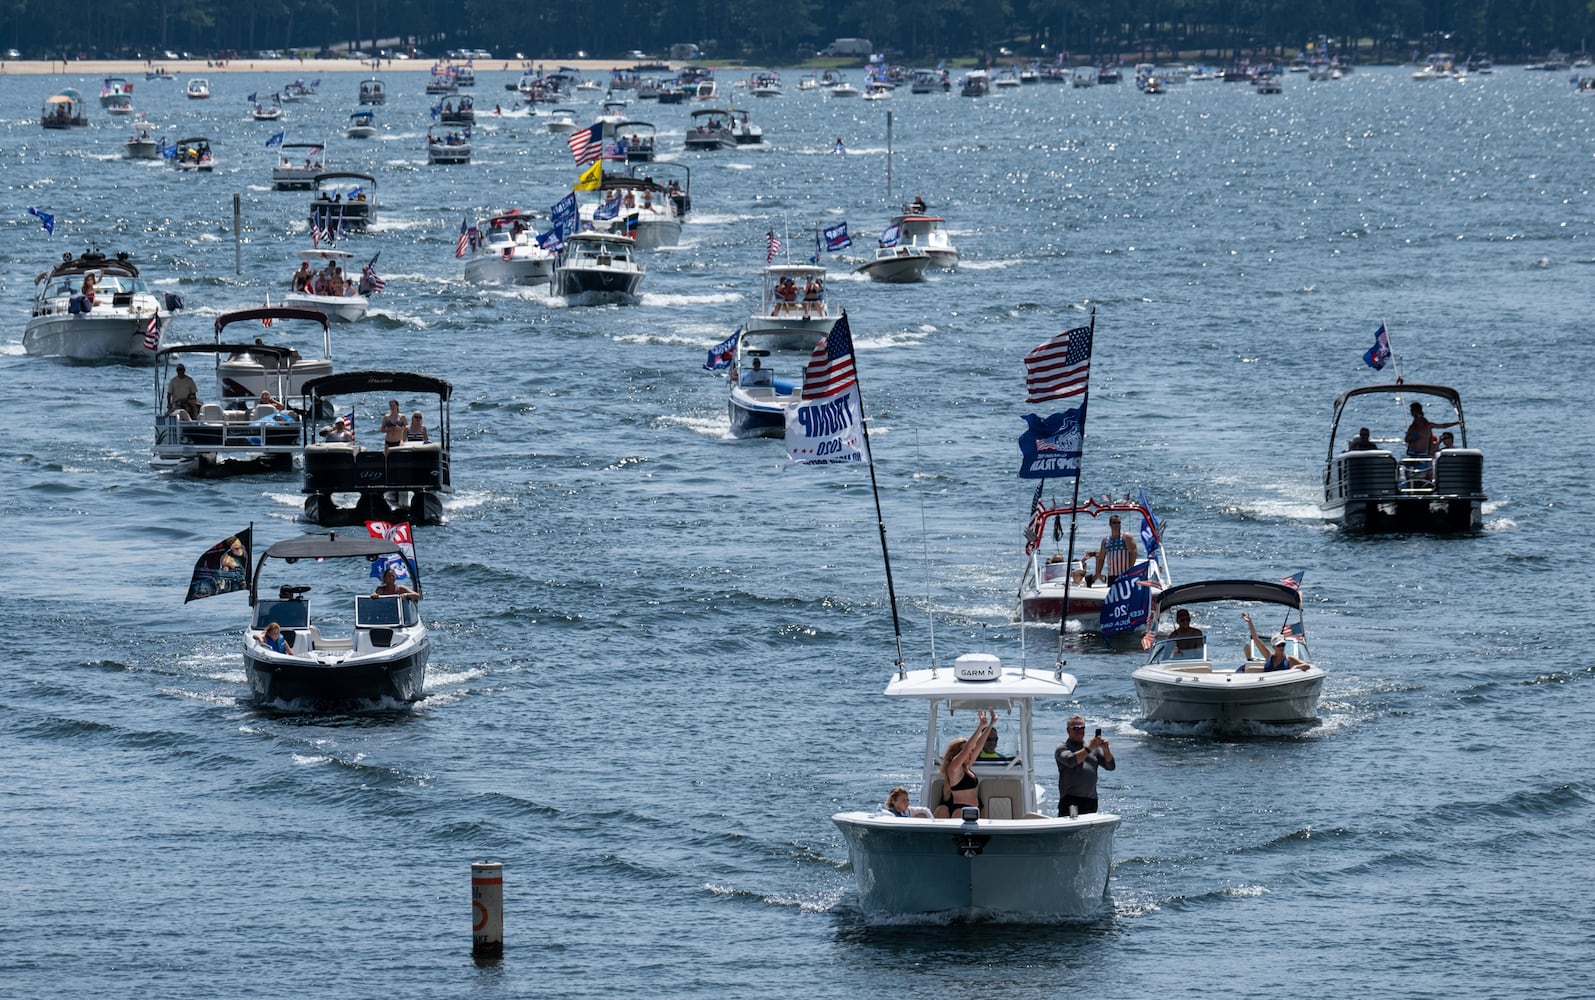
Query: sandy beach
x,y
198,67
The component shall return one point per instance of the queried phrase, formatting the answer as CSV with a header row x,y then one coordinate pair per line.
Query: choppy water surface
x,y
659,655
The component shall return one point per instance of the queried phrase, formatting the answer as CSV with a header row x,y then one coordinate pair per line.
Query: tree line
x,y
786,32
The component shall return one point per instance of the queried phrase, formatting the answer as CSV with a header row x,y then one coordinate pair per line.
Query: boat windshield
x,y
383,611
287,614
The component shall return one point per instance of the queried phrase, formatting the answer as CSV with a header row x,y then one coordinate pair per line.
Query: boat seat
x,y
262,411
212,412
317,642
1001,798
934,796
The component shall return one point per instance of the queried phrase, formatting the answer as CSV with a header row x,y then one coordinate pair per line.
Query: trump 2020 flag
x,y
1128,604
828,426
608,210
1376,356
720,355
889,236
45,219
1149,529
224,568
399,534
276,140
1051,446
836,237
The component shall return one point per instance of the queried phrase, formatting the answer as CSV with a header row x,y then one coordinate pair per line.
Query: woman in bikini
x,y
394,426
960,787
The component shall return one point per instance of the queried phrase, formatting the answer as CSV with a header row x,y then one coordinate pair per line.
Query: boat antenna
x,y
888,155
924,541
880,520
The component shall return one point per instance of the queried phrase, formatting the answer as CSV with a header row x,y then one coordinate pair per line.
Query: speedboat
x,y
344,202
244,375
198,89
877,91
976,83
1368,488
915,228
333,291
743,131
375,655
64,110
765,83
442,81
1185,680
1053,582
299,90
1005,79
355,482
794,312
268,112
640,207
115,90
896,265
508,253
373,91
362,125
120,106
562,120
141,146
298,166
842,88
454,147
1004,859
235,431
598,268
117,326
930,81
710,129
766,383
193,154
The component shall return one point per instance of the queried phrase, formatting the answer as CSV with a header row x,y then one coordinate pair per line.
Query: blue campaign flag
x,y
563,212
1051,446
720,355
1150,529
45,219
608,210
276,140
889,237
836,238
357,192
250,98
1376,356
436,109
1128,604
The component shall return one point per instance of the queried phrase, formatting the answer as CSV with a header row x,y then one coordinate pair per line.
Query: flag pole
x,y
1074,509
1395,360
880,520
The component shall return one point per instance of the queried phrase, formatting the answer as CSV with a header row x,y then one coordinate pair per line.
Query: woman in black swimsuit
x,y
960,787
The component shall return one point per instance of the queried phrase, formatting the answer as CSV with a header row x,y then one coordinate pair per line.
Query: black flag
x,y
224,568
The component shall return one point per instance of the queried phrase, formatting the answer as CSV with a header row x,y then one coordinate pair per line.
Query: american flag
x,y
152,332
375,279
830,369
464,241
772,245
586,144
1038,520
1294,581
1060,367
319,234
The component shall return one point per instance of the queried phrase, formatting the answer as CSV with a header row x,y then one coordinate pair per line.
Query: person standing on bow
x,y
1117,553
1078,761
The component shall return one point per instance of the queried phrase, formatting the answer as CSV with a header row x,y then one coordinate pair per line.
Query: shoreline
x,y
181,68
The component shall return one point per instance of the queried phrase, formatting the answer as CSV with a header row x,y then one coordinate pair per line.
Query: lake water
x,y
659,653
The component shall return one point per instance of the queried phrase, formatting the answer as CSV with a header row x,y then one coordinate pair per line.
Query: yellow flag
x,y
592,179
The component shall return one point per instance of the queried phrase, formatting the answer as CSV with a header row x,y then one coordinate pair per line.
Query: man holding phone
x,y
1078,762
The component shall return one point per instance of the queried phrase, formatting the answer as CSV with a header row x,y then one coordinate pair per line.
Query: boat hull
x,y
905,270
1280,696
93,338
756,416
1038,869
141,149
302,680
787,333
598,285
340,308
495,270
1365,492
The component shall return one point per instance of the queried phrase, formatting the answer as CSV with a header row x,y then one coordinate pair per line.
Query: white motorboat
x,y
843,88
508,253
710,129
372,653
976,83
561,120
896,265
916,229
359,481
298,164
765,83
877,92
141,146
268,111
930,81
331,289
1186,679
115,90
63,110
598,268
1368,488
193,155
1005,859
234,431
450,148
198,89
1005,79
244,375
809,82
766,381
743,131
639,207
344,202
373,91
299,90
795,310
120,106
1053,581
362,125
116,326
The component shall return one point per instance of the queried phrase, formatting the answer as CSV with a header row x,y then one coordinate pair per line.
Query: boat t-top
x,y
916,228
222,427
